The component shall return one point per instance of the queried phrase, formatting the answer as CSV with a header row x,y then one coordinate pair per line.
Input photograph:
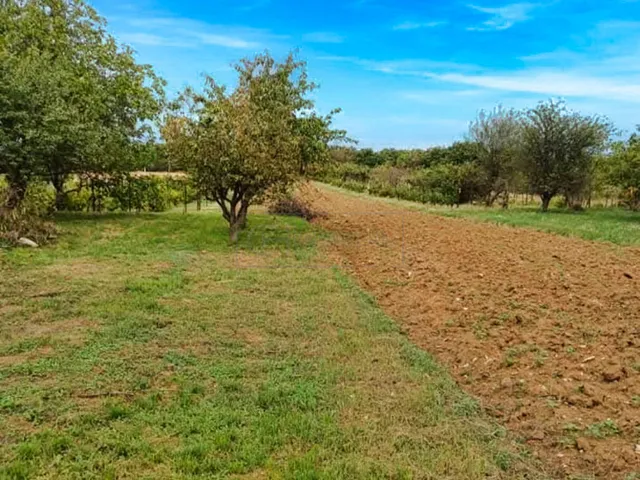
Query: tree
x,y
254,141
623,169
559,148
368,157
316,135
72,99
497,136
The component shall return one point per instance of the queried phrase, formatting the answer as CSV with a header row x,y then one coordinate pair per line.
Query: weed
x,y
606,428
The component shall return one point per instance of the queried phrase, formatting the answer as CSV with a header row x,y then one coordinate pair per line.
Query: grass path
x,y
146,347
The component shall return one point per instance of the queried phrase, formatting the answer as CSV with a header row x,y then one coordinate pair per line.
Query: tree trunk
x,y
242,214
16,191
234,230
505,200
58,182
546,199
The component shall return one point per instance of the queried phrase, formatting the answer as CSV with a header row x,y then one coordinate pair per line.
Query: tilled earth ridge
x,y
543,329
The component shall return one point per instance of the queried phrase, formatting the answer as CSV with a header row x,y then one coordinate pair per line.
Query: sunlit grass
x,y
144,346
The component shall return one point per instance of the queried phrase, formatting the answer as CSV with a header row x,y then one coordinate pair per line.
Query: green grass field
x,y
143,346
614,225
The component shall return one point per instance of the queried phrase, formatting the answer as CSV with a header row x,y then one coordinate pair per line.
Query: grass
x,y
144,346
615,225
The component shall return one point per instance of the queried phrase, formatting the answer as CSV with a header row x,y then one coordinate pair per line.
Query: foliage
x,y
127,193
623,170
86,114
497,136
255,141
29,219
559,147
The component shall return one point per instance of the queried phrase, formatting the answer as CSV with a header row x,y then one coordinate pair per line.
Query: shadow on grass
x,y
148,233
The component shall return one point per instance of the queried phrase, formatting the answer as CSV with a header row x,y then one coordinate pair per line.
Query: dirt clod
x,y
612,374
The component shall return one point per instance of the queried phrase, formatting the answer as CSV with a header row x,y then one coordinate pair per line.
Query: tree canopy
x,y
559,147
71,99
253,141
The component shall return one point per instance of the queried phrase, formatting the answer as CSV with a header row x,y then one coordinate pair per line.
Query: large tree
x,y
559,147
72,100
242,145
496,135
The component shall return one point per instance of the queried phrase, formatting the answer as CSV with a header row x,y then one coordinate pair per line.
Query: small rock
x,y
506,383
637,449
612,374
582,444
27,242
628,275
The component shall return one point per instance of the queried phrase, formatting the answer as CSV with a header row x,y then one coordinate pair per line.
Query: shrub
x,y
30,219
292,206
128,193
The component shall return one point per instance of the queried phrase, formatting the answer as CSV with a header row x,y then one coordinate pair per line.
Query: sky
x,y
406,74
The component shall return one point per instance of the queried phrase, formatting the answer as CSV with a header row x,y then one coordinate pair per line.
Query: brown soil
x,y
543,329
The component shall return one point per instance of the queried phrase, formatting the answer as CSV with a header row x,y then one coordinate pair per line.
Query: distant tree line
x,y
547,151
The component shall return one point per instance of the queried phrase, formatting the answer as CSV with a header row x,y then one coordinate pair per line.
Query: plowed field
x,y
544,330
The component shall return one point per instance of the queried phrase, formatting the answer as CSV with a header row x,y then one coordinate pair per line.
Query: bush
x,y
128,193
292,206
388,181
30,219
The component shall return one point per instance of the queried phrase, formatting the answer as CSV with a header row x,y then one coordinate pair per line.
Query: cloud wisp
x,y
323,37
418,25
502,18
187,33
563,81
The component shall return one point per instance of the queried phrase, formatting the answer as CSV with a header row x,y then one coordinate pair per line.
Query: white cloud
x,y
323,37
187,33
611,78
139,38
417,25
504,17
549,83
414,67
226,41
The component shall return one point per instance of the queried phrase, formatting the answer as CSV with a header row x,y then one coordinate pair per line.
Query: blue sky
x,y
405,73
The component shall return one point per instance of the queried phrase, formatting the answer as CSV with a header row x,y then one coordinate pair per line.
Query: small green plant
x,y
604,429
540,358
571,427
480,331
552,403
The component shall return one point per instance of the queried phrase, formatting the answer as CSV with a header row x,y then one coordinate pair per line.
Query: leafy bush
x,y
343,174
387,181
128,193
